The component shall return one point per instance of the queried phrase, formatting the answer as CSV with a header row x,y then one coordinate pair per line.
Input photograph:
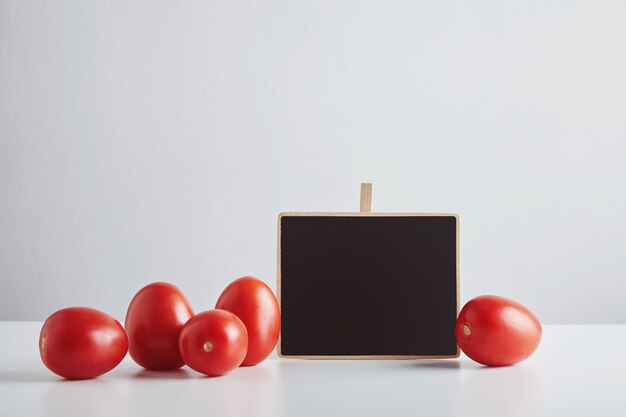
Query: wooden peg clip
x,y
366,197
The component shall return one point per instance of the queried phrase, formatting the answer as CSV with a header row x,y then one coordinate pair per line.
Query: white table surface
x,y
577,371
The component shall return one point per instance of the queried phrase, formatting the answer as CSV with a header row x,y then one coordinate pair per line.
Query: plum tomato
x,y
213,342
497,331
155,317
254,303
82,343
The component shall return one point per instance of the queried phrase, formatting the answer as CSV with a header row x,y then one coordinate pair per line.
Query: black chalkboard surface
x,y
368,285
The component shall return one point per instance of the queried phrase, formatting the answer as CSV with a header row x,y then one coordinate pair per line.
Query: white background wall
x,y
154,140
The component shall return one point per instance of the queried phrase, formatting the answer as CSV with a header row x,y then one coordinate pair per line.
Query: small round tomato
x,y
254,303
82,343
213,342
497,331
155,317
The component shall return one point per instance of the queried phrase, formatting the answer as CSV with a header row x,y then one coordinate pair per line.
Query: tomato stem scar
x,y
467,330
208,346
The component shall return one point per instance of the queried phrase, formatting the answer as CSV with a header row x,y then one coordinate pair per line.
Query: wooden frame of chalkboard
x,y
452,350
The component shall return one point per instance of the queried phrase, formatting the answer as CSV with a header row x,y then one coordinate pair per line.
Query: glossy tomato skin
x,y
155,317
213,342
82,343
497,331
254,303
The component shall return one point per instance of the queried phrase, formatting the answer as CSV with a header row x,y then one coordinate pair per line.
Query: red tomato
x,y
82,343
213,342
154,320
496,331
255,304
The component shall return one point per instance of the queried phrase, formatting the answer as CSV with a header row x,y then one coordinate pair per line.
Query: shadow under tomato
x,y
172,374
36,376
508,390
99,396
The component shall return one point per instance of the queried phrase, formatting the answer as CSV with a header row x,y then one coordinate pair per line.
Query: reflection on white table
x,y
577,370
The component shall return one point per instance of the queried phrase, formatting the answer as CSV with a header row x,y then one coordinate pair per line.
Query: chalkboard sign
x,y
368,285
